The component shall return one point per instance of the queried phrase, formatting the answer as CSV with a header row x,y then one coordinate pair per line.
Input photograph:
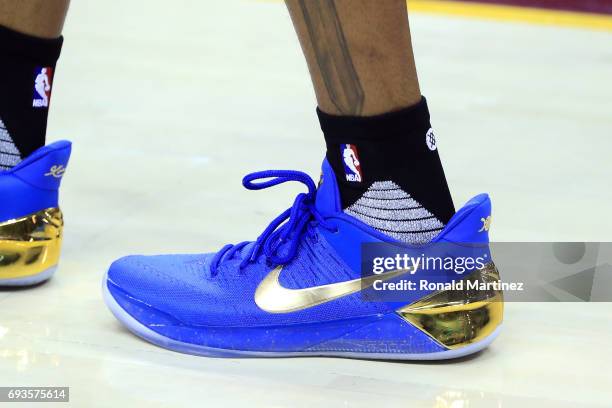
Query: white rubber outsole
x,y
29,280
149,335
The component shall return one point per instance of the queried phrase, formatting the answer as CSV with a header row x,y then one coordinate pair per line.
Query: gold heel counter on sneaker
x,y
30,245
459,317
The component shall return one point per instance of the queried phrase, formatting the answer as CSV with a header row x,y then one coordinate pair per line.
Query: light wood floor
x,y
169,104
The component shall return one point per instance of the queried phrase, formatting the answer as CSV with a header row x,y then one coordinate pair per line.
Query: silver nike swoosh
x,y
272,297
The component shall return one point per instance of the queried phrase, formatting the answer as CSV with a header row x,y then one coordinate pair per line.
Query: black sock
x,y
27,65
389,172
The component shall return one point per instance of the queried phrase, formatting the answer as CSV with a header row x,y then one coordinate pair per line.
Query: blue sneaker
x,y
296,291
31,222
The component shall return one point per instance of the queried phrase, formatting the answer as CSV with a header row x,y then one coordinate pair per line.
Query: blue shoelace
x,y
288,228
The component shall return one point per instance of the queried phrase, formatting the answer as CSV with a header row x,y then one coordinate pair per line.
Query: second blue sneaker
x,y
298,290
31,222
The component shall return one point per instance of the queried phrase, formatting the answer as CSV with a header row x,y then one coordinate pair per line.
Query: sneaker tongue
x,y
328,196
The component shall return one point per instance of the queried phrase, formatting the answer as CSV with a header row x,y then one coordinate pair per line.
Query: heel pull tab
x,y
46,167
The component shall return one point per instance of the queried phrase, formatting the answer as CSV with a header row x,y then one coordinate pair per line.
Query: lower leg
x,y
30,45
359,54
376,123
39,18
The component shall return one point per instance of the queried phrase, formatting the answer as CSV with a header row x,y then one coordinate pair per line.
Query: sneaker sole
x,y
149,335
29,280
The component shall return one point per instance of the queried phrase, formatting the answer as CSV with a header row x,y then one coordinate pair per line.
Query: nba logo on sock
x,y
352,167
42,87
